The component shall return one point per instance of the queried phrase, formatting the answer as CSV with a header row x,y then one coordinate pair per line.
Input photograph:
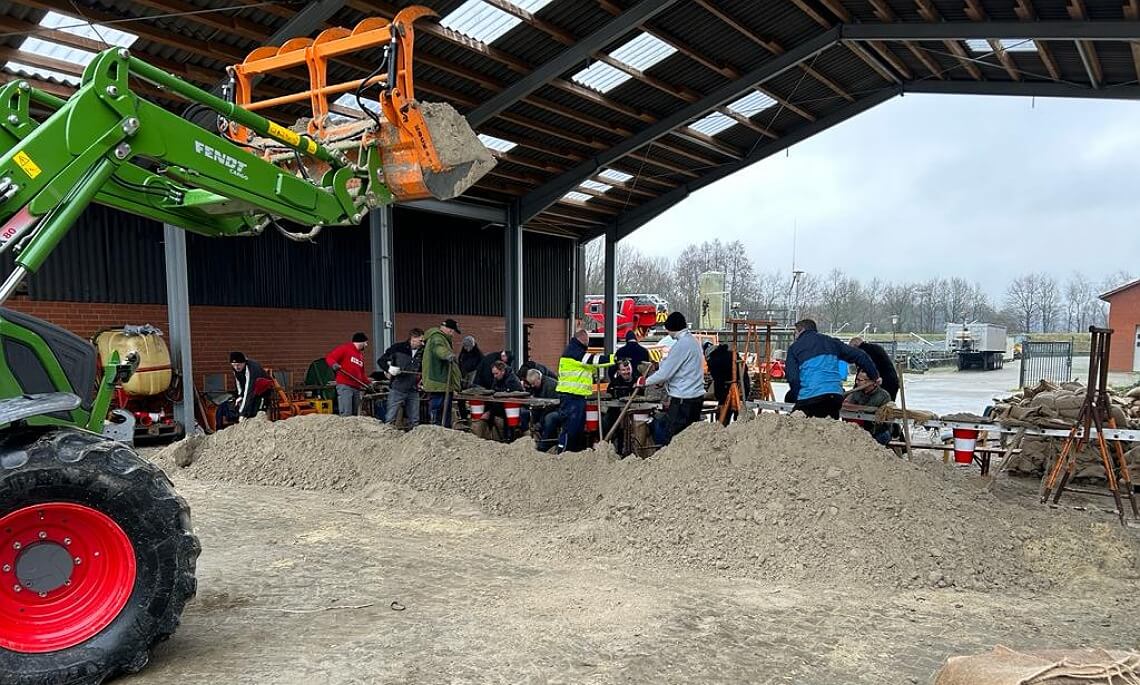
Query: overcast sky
x,y
928,185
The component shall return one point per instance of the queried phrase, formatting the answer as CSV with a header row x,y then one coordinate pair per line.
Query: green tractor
x,y
97,555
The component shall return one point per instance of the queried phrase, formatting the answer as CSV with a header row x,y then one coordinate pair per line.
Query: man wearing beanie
x,y
683,375
252,384
347,361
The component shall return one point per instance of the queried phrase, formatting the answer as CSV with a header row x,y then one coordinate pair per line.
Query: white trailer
x,y
978,345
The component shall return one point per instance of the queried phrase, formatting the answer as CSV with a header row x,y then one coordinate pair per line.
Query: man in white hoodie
x,y
682,373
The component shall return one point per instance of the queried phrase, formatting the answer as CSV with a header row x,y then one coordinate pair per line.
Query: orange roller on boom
x,y
422,149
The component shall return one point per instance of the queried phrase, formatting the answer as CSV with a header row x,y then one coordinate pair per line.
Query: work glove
x,y
336,367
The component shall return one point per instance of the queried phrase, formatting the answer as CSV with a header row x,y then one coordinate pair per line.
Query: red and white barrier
x,y
965,440
478,409
593,417
514,411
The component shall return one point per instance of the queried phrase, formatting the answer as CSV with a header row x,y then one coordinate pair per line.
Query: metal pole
x,y
611,289
380,238
579,286
178,323
513,283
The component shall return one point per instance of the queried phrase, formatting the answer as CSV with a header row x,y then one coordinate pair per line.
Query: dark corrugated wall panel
x,y
442,264
548,265
106,257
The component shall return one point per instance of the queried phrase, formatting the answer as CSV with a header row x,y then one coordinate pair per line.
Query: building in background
x,y
1124,320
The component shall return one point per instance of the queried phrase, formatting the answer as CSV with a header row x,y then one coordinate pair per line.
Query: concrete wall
x,y
1123,317
283,339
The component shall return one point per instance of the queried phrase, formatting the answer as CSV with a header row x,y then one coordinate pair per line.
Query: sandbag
x,y
1004,666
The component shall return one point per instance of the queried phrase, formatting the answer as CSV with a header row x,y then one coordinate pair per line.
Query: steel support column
x,y
579,291
611,288
513,283
380,232
178,323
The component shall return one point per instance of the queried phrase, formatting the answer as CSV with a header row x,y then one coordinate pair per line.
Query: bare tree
x,y
1021,299
1048,301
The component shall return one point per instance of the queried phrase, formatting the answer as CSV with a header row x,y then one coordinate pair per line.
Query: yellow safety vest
x,y
577,377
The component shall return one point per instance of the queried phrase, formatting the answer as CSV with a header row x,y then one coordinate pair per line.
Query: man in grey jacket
x,y
402,363
682,372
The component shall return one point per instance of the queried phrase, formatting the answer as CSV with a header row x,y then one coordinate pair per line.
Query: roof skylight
x,y
615,175
640,53
63,53
496,144
712,124
983,46
575,196
595,185
77,27
752,104
487,23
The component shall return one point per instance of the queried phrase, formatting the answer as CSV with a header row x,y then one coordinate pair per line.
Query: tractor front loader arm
x,y
59,167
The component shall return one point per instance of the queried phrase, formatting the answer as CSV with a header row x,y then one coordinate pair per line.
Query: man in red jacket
x,y
347,361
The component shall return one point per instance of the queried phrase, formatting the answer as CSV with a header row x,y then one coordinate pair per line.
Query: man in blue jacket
x,y
813,371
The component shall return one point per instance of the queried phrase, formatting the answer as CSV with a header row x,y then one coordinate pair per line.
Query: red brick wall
x,y
278,338
1123,317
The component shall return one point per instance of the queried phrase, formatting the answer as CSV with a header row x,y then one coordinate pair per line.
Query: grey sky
x,y
926,185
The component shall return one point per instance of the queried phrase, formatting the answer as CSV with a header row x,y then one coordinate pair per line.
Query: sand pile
x,y
782,498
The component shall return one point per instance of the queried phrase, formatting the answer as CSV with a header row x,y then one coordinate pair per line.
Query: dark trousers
x,y
680,414
439,412
572,411
550,422
821,406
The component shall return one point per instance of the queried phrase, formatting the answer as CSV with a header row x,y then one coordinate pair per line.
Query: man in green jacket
x,y
440,372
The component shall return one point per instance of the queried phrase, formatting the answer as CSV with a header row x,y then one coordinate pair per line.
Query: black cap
x,y
630,336
675,322
359,337
237,358
453,325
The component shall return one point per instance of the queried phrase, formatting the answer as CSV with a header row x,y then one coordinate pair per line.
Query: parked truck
x,y
978,345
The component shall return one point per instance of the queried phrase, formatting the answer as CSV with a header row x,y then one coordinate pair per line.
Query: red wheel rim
x,y
92,574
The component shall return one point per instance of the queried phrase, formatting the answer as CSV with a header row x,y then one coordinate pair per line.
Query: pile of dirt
x,y
781,497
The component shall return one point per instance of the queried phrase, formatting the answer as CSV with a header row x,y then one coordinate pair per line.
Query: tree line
x,y
1031,303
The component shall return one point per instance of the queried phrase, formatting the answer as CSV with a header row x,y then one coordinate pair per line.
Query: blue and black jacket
x,y
812,366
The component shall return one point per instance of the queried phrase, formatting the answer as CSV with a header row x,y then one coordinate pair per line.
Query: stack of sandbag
x,y
1004,666
1053,406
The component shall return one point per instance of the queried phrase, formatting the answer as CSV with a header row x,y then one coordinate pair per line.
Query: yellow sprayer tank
x,y
154,372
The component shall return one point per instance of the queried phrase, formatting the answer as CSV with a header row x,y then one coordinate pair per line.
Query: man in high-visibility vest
x,y
576,383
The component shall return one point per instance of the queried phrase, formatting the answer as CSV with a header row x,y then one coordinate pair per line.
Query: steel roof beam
x,y
1033,30
552,191
569,58
630,221
1038,89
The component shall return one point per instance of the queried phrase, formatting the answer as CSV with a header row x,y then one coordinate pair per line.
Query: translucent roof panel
x,y
575,196
349,100
594,185
56,51
615,175
486,23
36,72
752,104
601,77
1009,44
713,124
640,53
78,27
496,144
643,51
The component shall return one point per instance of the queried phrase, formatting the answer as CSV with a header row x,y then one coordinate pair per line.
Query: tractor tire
x,y
97,557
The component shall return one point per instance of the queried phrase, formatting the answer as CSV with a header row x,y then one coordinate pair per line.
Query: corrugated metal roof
x,y
559,127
